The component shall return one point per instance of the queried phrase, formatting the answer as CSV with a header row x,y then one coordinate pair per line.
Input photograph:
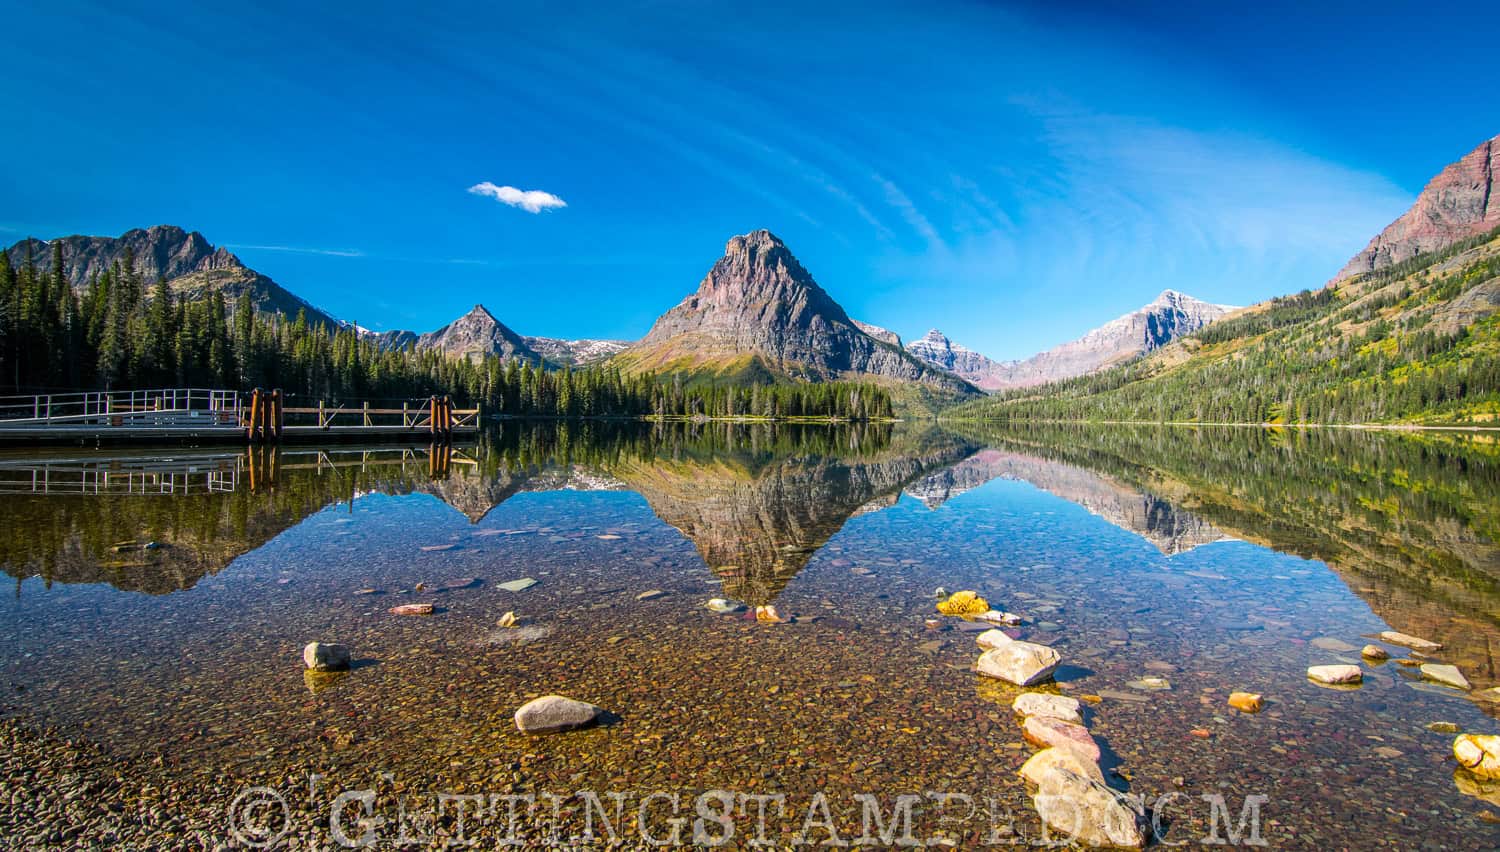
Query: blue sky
x,y
1011,174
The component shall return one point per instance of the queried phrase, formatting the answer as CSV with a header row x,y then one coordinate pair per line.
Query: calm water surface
x,y
1218,560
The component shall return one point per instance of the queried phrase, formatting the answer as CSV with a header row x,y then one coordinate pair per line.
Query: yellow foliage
x,y
963,603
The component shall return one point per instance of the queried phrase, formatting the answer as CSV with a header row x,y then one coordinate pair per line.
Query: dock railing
x,y
162,407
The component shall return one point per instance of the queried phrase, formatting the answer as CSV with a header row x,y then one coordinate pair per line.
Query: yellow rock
x,y
1478,753
964,603
1245,702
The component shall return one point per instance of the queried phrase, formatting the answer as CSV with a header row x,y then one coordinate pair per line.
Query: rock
x,y
1491,695
1048,706
1335,674
1121,695
995,616
1151,684
1412,642
367,591
1055,733
993,639
412,609
964,603
520,585
1020,663
1328,643
1089,812
769,615
1040,763
1245,702
722,606
1478,753
317,681
437,548
326,657
1485,789
1446,675
651,595
507,620
1387,752
1443,728
1374,652
553,713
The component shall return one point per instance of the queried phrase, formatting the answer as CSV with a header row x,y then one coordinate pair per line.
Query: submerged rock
x,y
1328,643
1020,663
1408,641
1446,675
412,609
1089,812
1338,674
1043,761
1478,753
1492,695
1055,733
993,639
317,681
326,657
1245,702
722,606
554,713
520,585
651,595
1048,706
995,616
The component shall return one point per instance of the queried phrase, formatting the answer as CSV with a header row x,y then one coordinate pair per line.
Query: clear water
x,y
1218,560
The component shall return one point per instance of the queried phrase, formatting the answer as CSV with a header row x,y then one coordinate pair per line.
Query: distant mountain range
x,y
1408,331
1170,316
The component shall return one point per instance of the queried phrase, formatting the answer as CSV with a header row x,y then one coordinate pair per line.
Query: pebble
x,y
651,595
412,609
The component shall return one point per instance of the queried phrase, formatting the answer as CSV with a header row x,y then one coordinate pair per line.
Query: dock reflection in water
x,y
1219,560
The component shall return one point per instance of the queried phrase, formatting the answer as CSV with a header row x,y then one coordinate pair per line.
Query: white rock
x,y
326,657
1335,674
722,606
1040,763
995,616
520,585
1051,706
1020,663
993,639
1478,753
1408,641
1089,812
552,713
1446,675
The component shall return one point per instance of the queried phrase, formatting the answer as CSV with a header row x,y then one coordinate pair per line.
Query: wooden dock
x,y
199,415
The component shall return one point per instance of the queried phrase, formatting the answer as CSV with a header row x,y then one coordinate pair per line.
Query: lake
x,y
162,598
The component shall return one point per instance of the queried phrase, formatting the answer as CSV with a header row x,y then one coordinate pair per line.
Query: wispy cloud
x,y
530,200
333,252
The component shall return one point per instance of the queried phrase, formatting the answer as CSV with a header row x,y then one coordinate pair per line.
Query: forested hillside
x,y
123,333
1415,342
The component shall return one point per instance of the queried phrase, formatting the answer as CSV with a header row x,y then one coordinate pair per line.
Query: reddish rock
x,y
1055,733
412,609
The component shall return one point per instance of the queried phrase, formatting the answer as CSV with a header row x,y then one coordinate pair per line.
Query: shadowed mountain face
x,y
193,267
1458,203
759,314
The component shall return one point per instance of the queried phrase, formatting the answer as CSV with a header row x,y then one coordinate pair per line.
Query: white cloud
x,y
530,200
330,252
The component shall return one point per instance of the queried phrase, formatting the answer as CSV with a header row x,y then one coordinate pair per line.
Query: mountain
x,y
1459,203
884,335
575,353
1416,340
759,315
192,267
1170,316
475,335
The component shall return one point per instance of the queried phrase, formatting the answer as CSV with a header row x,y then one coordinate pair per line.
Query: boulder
x,y
1478,753
326,657
1446,675
553,713
1374,652
1089,812
1040,763
1337,674
1245,702
1412,642
1020,663
993,639
1048,706
1055,733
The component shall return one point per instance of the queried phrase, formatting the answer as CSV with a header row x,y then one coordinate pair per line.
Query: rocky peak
x,y
475,335
1458,203
757,304
884,335
160,252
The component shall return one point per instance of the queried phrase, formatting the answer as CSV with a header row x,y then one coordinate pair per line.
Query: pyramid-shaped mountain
x,y
759,314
